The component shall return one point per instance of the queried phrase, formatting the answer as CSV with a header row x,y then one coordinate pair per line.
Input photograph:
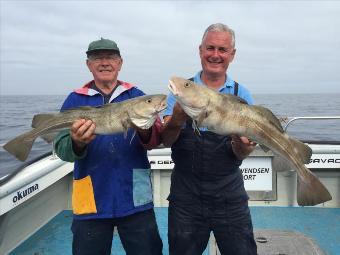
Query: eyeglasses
x,y
99,58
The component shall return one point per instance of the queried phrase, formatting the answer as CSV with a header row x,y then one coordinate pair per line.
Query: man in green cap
x,y
111,186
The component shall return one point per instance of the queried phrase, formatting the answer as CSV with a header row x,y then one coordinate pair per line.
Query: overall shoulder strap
x,y
236,88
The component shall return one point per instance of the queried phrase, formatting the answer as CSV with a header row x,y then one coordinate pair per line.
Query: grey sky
x,y
282,46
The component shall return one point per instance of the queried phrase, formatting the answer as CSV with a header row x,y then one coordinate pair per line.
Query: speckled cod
x,y
109,119
228,114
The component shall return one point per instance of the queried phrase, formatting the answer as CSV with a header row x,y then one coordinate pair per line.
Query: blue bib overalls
x,y
207,194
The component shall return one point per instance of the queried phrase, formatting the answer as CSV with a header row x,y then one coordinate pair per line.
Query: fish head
x,y
193,98
144,110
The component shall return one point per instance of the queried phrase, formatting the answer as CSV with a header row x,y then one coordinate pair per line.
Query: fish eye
x,y
149,101
187,85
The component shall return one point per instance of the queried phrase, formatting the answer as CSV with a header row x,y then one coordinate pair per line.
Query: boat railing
x,y
289,120
293,119
10,175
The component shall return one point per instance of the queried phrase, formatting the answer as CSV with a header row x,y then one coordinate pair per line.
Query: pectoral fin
x,y
133,136
195,127
202,116
125,125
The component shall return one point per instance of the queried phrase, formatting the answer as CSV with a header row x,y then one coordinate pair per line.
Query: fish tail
x,y
303,151
21,146
41,119
310,190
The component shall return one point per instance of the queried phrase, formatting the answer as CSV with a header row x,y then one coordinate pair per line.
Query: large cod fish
x,y
228,114
110,118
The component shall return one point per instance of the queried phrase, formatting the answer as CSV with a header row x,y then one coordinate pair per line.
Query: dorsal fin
x,y
302,150
82,108
89,108
259,109
269,116
41,119
107,105
233,98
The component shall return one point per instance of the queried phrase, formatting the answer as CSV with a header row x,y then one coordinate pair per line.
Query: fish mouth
x,y
162,107
172,88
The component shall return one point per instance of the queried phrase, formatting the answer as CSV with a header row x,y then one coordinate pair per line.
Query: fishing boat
x,y
35,203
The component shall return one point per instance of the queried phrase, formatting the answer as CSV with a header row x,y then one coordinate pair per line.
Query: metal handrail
x,y
310,118
10,175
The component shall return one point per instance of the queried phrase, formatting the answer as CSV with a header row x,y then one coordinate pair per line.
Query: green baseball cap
x,y
102,44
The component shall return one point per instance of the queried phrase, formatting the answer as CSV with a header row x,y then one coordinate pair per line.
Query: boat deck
x,y
320,224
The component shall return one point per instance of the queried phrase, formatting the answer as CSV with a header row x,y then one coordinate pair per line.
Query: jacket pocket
x,y
142,189
83,197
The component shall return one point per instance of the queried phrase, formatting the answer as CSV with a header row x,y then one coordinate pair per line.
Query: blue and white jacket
x,y
112,178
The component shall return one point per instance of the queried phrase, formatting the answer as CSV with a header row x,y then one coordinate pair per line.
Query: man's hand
x,y
242,146
173,124
82,133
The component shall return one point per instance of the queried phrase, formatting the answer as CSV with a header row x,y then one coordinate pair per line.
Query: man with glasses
x,y
207,192
111,186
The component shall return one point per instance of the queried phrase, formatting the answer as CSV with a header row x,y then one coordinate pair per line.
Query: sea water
x,y
17,113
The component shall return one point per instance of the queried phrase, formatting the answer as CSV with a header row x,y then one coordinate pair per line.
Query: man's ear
x,y
233,54
121,63
88,65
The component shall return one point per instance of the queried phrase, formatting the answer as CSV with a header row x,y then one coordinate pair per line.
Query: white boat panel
x,y
32,180
24,208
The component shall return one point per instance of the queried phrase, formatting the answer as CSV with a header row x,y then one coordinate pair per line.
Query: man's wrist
x,y
78,148
177,122
239,152
144,134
